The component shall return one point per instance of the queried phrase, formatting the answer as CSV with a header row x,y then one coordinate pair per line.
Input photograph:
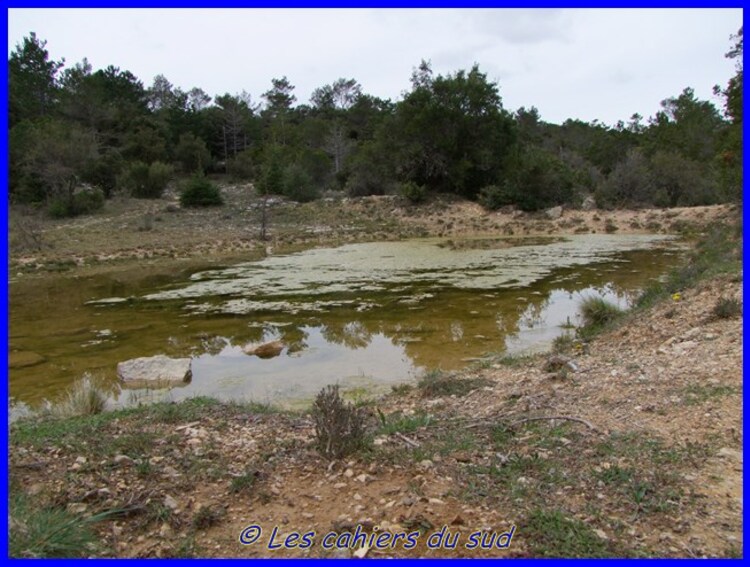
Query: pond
x,y
366,316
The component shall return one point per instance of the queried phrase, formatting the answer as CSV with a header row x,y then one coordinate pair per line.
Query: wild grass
x,y
439,383
563,344
597,313
38,531
550,533
244,482
83,398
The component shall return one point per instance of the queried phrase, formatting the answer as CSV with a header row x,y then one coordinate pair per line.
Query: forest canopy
x,y
79,135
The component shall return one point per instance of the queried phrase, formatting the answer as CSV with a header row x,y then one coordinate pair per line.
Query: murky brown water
x,y
365,315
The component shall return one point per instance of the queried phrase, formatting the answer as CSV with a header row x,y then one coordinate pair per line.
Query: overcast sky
x,y
589,64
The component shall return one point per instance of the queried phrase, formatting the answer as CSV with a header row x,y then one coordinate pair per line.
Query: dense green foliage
x,y
200,192
74,126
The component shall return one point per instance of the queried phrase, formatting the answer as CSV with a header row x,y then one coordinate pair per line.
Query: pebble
x,y
348,473
171,503
123,460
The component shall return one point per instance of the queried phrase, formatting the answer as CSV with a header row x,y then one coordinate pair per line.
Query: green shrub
x,y
413,192
200,192
298,185
102,172
242,166
598,312
83,201
493,197
146,181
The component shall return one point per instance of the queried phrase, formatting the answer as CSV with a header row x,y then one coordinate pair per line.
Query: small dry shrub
x,y
727,308
339,425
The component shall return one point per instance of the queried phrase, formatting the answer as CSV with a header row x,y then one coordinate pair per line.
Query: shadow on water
x,y
366,316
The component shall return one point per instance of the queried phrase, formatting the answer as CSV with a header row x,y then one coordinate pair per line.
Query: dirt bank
x,y
131,230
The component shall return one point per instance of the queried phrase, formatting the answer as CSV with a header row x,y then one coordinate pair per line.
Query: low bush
x,y
339,425
200,192
84,201
298,185
146,181
597,312
726,308
413,193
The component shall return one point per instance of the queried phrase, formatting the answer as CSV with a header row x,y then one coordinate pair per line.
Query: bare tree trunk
x,y
264,219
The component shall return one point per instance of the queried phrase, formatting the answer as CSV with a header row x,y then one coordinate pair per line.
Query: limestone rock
x,y
554,213
589,204
558,362
265,350
155,371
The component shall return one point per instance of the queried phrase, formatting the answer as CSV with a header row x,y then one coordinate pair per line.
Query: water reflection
x,y
360,328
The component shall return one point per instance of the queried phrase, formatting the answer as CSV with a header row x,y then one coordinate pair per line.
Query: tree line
x,y
79,135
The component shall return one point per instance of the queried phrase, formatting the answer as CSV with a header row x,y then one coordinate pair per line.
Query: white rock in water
x,y
151,370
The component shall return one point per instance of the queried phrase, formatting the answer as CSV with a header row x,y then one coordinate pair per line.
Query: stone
x,y
155,371
601,534
24,359
589,204
123,460
554,213
171,503
264,350
462,456
558,362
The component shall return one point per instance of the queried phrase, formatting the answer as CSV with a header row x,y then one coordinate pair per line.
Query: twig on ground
x,y
406,440
551,417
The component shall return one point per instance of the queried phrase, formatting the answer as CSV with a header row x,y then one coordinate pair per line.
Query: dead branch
x,y
552,417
